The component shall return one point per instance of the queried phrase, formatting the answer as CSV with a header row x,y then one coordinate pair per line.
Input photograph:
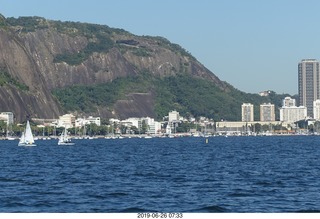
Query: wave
x,y
240,194
135,210
14,205
6,180
210,209
118,194
308,211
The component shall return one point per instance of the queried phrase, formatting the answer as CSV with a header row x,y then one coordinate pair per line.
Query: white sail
x,y
168,129
9,133
61,138
27,137
22,140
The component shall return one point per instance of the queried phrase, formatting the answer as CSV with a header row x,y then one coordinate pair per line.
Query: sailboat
x,y
64,139
9,135
27,137
168,131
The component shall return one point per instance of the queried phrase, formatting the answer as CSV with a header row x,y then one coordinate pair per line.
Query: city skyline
x,y
261,41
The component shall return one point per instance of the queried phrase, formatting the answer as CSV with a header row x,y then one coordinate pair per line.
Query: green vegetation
x,y
3,22
98,36
32,23
28,24
6,79
198,97
163,42
187,94
99,39
88,98
102,43
141,52
85,29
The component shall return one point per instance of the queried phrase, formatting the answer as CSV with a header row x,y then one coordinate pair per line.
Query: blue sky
x,y
253,45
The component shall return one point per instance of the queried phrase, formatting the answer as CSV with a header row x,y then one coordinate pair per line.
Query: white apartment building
x,y
154,127
288,102
7,117
79,122
131,122
87,121
67,120
293,114
316,109
93,120
174,116
173,119
247,112
267,113
111,121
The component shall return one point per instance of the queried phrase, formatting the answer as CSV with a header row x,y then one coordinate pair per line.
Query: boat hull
x,y
27,145
62,143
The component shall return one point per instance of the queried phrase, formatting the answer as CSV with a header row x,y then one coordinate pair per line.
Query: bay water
x,y
227,174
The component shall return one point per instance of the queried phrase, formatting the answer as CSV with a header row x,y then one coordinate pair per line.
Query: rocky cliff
x,y
38,56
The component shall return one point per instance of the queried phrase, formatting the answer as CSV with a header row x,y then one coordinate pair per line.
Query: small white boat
x,y
64,139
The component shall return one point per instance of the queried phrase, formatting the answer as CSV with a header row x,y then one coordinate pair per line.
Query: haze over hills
x,y
48,68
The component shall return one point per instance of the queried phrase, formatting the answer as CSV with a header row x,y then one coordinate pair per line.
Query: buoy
x,y
207,141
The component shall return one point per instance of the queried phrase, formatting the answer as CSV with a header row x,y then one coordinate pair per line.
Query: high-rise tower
x,y
309,83
267,112
247,112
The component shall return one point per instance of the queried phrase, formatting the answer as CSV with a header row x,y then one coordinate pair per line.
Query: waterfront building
x,y
87,121
154,127
133,121
247,112
114,121
67,120
79,122
173,119
173,116
316,109
288,102
293,113
237,127
308,83
93,120
267,112
7,117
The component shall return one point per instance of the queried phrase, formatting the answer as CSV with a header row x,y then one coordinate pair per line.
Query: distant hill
x,y
48,68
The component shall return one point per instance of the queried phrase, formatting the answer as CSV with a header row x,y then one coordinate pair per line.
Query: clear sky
x,y
253,45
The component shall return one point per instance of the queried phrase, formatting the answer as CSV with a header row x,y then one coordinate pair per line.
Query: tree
x,y
257,127
144,127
